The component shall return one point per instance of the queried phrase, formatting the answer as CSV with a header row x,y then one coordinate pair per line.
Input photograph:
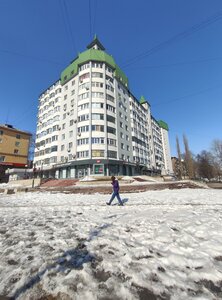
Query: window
x,y
83,118
53,159
122,146
111,119
0,140
83,67
121,124
63,126
83,106
97,95
111,142
84,76
1,132
109,78
63,136
110,88
62,147
70,145
83,141
98,128
55,138
110,98
110,108
84,96
17,144
109,69
71,134
84,86
65,97
16,151
73,82
97,84
81,154
83,129
18,136
97,140
97,153
97,105
2,158
99,169
97,117
97,74
112,154
54,148
97,65
111,130
73,92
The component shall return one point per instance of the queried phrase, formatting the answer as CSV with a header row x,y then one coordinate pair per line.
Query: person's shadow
x,y
125,200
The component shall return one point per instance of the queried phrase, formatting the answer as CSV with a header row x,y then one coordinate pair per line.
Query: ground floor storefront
x,y
99,167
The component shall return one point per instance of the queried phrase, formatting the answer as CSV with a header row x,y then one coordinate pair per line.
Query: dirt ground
x,y
124,188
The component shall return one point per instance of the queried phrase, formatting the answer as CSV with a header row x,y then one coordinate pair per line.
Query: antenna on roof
x,y
6,120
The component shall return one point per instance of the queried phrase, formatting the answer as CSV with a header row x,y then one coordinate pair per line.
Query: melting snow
x,y
160,245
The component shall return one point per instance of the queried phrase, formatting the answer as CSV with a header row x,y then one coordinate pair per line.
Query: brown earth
x,y
124,188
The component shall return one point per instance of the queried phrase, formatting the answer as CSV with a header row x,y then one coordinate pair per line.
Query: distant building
x,y
14,148
89,122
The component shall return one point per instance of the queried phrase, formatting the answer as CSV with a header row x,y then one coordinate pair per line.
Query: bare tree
x,y
31,150
217,153
188,160
180,167
205,163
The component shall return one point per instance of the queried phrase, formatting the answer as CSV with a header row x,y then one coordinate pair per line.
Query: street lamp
x,y
26,171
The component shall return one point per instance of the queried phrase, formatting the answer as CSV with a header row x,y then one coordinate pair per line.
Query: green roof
x,y
142,100
163,125
96,41
93,55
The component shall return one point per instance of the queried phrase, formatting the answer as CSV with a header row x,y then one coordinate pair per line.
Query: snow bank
x,y
87,178
164,244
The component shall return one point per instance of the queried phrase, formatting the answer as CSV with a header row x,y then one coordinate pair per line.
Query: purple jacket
x,y
115,185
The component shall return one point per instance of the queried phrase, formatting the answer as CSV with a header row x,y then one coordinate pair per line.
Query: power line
x,y
188,96
179,63
94,20
90,21
175,38
30,56
67,24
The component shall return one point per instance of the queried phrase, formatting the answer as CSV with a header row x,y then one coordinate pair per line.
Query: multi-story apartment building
x,y
14,147
89,122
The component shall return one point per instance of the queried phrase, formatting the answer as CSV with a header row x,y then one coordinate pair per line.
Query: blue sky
x,y
181,78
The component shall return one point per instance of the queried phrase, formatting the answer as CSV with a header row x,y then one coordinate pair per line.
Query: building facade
x,y
14,148
89,122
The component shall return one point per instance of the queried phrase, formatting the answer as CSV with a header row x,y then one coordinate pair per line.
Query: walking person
x,y
115,193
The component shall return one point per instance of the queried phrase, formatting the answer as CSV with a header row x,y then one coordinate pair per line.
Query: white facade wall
x,y
157,146
92,117
166,151
47,127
